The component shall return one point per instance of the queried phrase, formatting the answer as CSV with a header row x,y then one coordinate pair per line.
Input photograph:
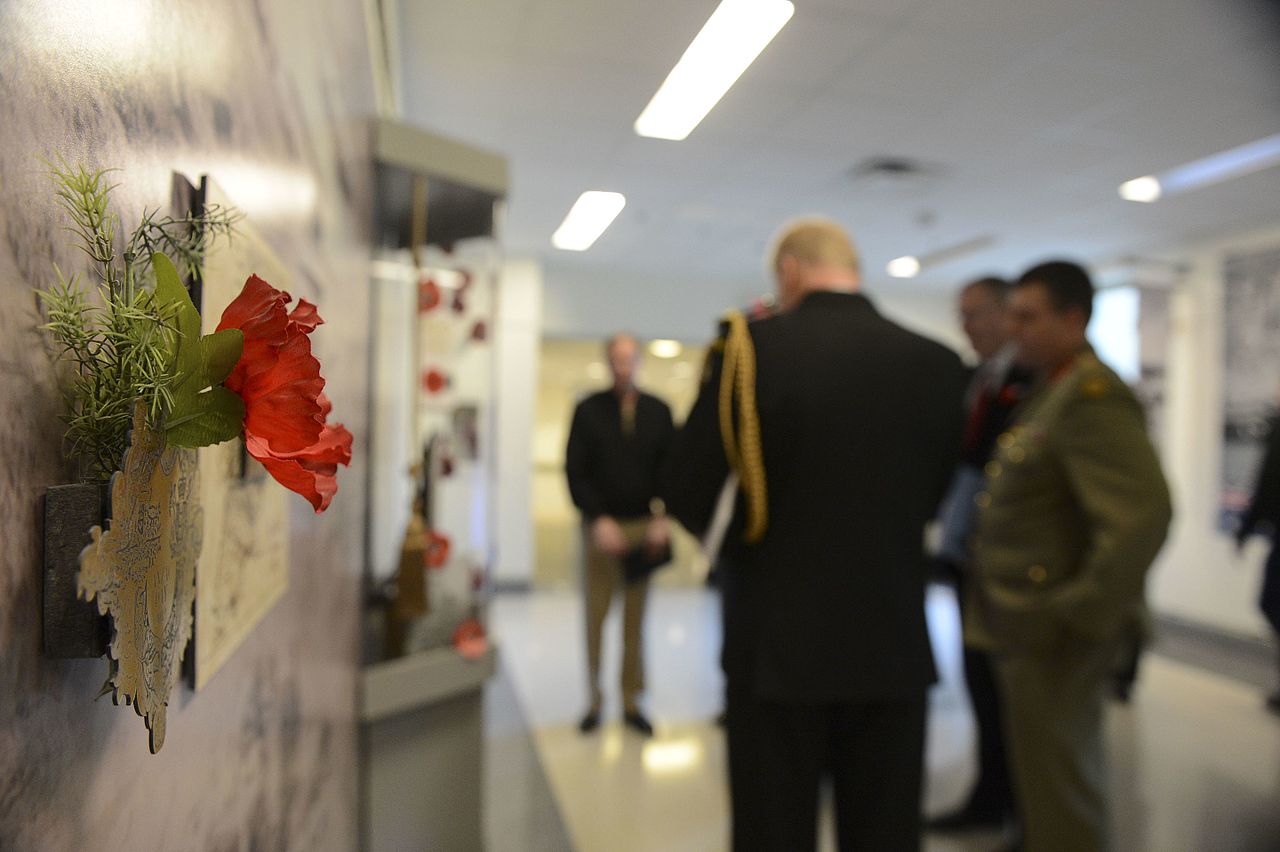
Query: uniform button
x,y
1006,440
982,499
1017,455
993,469
1037,573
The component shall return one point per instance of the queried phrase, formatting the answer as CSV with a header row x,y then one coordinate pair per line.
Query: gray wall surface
x,y
273,99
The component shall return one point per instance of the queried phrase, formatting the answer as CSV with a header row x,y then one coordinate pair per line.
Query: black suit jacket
x,y
861,427
1265,505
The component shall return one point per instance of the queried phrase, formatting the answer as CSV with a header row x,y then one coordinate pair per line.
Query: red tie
x,y
977,416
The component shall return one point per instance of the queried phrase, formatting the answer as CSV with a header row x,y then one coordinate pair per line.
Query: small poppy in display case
x,y
428,295
434,381
437,553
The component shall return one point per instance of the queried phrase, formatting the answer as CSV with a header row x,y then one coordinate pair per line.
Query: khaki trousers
x,y
603,577
1054,704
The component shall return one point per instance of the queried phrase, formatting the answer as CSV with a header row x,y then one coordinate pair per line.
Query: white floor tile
x,y
1195,759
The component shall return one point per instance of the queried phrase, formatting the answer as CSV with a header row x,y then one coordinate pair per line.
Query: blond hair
x,y
814,241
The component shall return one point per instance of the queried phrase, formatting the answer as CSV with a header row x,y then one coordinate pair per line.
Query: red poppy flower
x,y
437,554
279,380
434,380
470,640
428,295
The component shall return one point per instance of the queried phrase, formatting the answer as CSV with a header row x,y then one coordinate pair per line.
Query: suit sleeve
x,y
696,466
666,433
577,465
1115,477
952,413
1265,505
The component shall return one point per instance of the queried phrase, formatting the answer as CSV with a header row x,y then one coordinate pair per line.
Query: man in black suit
x,y
617,444
844,429
1264,511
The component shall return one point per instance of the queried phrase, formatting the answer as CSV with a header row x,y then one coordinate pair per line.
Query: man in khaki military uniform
x,y
1075,511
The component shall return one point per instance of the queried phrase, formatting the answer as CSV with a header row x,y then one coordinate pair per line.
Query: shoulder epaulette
x,y
1095,380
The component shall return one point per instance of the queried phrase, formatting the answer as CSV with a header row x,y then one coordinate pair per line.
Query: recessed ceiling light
x,y
590,215
904,267
1206,171
665,348
1144,189
731,39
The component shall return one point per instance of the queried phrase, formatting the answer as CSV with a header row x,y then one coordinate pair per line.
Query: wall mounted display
x,y
147,388
144,388
1153,356
1251,380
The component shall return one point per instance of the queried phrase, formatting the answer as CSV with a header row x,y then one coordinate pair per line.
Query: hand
x,y
657,535
1243,531
607,536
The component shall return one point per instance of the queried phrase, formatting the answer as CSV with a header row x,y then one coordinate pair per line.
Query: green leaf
x,y
220,352
198,417
172,297
210,418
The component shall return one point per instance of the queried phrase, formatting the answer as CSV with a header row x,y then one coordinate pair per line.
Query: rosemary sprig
x,y
121,347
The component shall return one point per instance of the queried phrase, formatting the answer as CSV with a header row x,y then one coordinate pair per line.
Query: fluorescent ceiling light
x,y
587,220
731,39
665,348
1215,168
904,267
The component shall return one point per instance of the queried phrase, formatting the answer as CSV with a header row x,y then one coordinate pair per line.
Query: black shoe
x,y
1273,703
967,819
589,722
636,721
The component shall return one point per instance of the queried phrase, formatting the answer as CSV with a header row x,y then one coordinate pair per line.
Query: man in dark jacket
x,y
844,429
997,387
617,445
1264,510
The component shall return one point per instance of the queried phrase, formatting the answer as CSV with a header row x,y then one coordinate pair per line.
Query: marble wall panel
x,y
272,97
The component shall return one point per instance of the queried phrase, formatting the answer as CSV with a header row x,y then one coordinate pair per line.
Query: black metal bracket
x,y
73,629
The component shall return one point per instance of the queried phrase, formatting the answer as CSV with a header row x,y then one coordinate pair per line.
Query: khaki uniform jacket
x,y
1075,511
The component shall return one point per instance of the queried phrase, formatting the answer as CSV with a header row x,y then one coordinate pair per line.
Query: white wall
x,y
393,447
584,303
930,313
516,337
1199,577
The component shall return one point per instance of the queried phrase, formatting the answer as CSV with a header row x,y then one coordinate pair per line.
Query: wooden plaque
x,y
244,570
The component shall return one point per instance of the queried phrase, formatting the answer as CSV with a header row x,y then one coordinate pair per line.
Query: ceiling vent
x,y
895,174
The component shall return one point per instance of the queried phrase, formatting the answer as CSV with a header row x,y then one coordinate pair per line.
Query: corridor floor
x,y
1195,759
